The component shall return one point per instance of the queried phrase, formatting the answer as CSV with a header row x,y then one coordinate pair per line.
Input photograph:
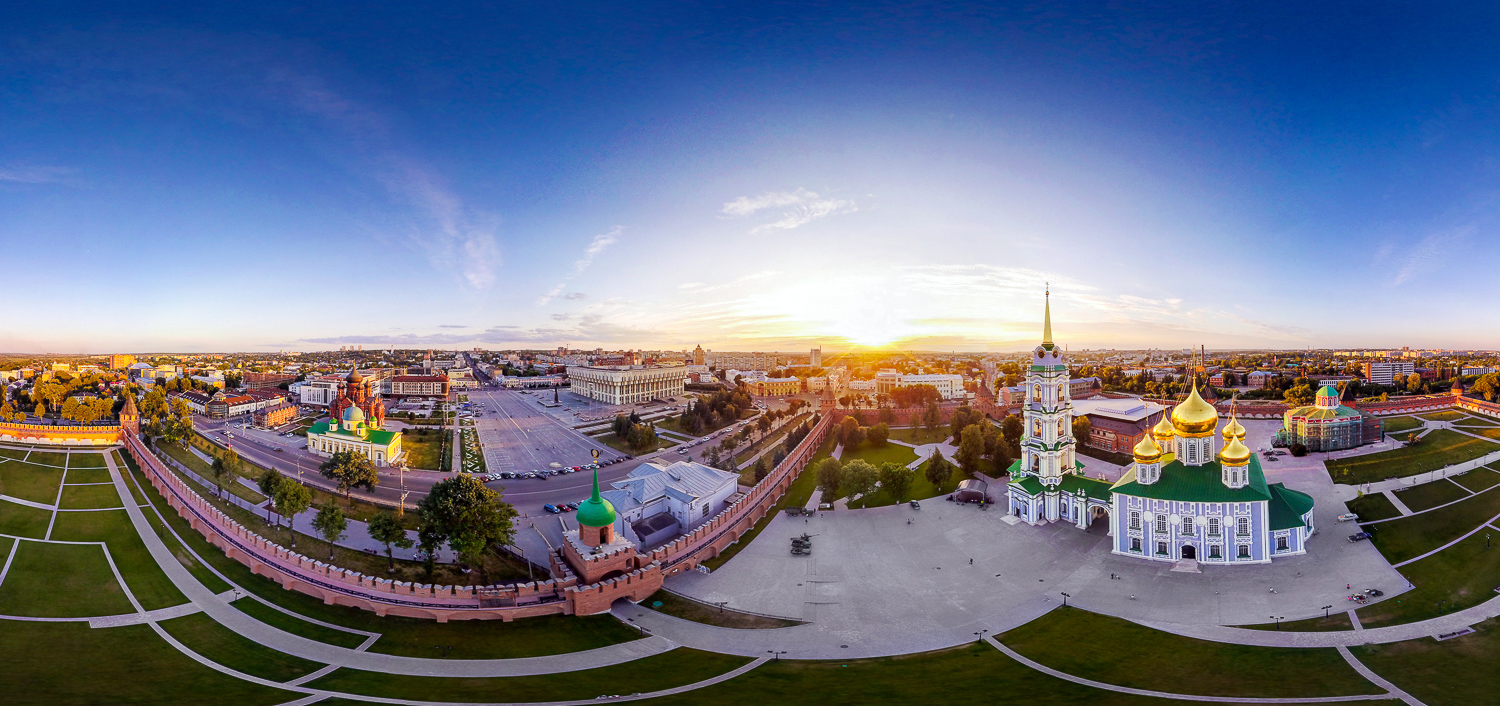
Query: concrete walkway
x,y
223,613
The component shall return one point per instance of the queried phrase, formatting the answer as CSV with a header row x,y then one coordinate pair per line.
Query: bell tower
x,y
1048,446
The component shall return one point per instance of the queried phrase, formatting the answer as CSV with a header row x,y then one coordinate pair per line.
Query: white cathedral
x,y
1178,501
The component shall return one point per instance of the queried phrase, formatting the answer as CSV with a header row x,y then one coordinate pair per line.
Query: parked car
x,y
916,505
1348,517
1374,592
1360,536
549,507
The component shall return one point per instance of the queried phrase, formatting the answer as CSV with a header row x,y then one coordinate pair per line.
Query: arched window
x,y
1242,525
1135,519
1213,526
1187,525
1161,524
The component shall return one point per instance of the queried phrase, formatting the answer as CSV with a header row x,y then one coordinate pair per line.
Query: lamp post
x,y
776,654
1065,596
1325,610
980,634
1278,620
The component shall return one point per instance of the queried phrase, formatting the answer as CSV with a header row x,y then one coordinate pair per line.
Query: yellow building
x,y
351,433
776,386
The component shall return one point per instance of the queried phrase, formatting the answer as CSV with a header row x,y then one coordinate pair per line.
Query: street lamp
x,y
1278,620
980,635
1325,610
776,654
1065,596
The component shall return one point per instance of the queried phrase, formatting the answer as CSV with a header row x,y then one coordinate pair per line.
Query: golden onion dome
x,y
1195,416
1233,430
1146,451
1163,430
1235,453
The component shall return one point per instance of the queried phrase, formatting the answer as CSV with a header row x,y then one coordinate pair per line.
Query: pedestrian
x,y
971,561
1346,586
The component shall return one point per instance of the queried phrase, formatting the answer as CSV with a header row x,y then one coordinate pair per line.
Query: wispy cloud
x,y
451,326
31,174
798,208
1428,255
599,244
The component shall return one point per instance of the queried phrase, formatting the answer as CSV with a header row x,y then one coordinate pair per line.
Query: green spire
x,y
596,511
1047,320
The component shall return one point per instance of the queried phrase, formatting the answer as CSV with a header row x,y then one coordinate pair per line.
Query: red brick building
x,y
275,415
258,381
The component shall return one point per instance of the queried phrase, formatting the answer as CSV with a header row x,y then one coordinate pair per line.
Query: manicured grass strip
x,y
1486,432
522,638
29,481
664,671
1375,506
689,609
125,464
48,458
1463,575
1475,422
1333,623
70,663
975,673
147,582
1444,416
1395,424
85,460
297,626
876,455
1456,672
919,435
23,520
82,476
1430,495
1438,449
1178,664
1413,536
197,465
1478,479
220,644
88,497
61,581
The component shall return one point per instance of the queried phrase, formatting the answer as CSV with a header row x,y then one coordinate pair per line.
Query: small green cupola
x,y
596,511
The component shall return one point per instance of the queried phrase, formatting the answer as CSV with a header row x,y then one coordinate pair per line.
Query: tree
x,y
760,469
41,410
878,434
859,478
962,418
846,433
933,417
1082,428
291,499
996,449
269,483
330,524
350,470
896,479
386,529
763,424
830,476
1414,382
938,470
887,416
1299,395
971,449
225,464
1012,428
468,516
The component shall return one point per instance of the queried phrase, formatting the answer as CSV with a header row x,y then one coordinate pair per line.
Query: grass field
x,y
1412,536
1463,575
47,458
1478,479
85,459
921,488
1475,421
1178,664
876,455
1456,672
147,582
1444,416
61,581
23,521
197,465
1375,506
202,635
125,665
1333,623
689,609
81,476
1430,495
1395,424
609,439
297,626
423,450
1438,449
919,435
675,668
90,497
29,481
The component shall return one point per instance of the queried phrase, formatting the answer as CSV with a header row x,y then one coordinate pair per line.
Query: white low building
x,y
657,503
948,386
320,391
627,385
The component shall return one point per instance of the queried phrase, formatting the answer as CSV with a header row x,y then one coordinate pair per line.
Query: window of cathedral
x,y
1187,525
1242,526
1213,527
1161,548
1244,551
1281,545
1161,524
1213,552
1135,544
1135,520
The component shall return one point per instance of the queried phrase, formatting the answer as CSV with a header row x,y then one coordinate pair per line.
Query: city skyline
x,y
203,179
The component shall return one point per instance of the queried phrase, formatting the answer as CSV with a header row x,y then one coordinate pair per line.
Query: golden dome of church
x,y
1146,451
1235,453
1163,431
1233,430
1195,417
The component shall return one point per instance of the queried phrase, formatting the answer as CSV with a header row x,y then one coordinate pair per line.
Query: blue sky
x,y
748,176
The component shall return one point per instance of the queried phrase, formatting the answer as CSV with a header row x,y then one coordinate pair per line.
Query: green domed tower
x,y
596,518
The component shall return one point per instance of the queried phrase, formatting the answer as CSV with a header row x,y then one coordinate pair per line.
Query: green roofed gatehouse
x,y
1327,425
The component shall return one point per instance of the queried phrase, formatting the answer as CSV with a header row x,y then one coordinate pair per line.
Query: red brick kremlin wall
x,y
103,435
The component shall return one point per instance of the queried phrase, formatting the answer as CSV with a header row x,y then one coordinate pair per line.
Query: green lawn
x,y
877,455
423,450
48,458
1486,432
620,445
1412,536
1478,479
1475,422
145,578
920,435
1444,416
90,497
297,626
1375,506
1333,623
1456,672
85,459
29,481
202,635
1430,495
61,581
23,521
82,476
775,438
921,488
1438,449
678,667
197,465
1395,424
1179,664
1463,575
689,609
70,663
